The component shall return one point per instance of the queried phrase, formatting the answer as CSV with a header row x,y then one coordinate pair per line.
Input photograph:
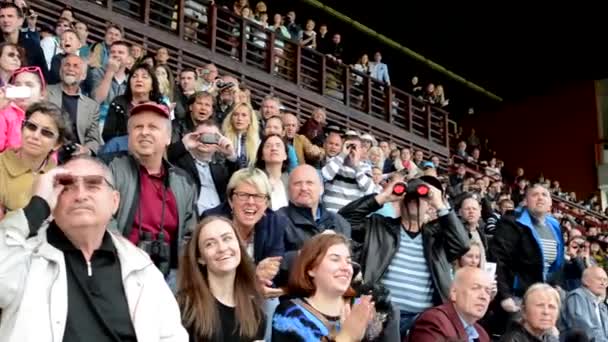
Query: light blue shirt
x,y
208,197
469,329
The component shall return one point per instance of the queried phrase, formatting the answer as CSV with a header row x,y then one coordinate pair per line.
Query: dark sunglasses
x,y
32,127
91,182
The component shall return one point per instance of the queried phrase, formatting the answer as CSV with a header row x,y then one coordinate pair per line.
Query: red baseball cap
x,y
154,107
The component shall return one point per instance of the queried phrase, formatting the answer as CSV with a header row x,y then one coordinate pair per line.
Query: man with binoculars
x,y
411,255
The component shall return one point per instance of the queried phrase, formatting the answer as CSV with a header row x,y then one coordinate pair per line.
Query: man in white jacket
x,y
72,280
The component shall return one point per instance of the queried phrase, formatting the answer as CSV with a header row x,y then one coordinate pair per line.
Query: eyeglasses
x,y
244,196
32,127
32,69
91,182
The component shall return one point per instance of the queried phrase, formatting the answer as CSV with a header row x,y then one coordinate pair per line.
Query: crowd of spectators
x,y
251,225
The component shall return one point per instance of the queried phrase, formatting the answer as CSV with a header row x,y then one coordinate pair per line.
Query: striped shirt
x,y
548,243
408,276
344,184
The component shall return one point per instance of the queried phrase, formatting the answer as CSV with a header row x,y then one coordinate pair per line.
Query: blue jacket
x,y
517,251
269,232
579,313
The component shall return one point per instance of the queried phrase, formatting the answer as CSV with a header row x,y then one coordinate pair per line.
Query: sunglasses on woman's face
x,y
45,132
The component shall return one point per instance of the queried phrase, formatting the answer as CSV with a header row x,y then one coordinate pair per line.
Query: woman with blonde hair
x,y
217,290
242,128
376,157
540,310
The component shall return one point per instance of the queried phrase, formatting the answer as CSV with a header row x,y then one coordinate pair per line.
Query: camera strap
x,y
161,233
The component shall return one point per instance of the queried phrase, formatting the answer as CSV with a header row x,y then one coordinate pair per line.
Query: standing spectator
x,y
200,109
473,141
82,30
161,57
416,255
346,176
70,45
323,43
527,246
271,107
306,152
217,286
166,83
100,52
207,77
185,89
50,45
309,36
11,19
379,70
272,159
282,34
295,31
336,49
505,206
332,146
74,277
82,110
241,127
470,211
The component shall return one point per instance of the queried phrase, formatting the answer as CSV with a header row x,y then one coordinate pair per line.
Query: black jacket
x,y
517,333
517,252
116,120
303,226
444,240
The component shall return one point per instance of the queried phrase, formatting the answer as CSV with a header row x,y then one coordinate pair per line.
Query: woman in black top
x,y
143,87
216,286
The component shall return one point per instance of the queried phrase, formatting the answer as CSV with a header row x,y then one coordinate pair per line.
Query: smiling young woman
x,y
216,286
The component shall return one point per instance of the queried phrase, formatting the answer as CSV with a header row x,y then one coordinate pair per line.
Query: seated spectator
x,y
164,75
585,308
11,59
418,158
158,199
274,125
270,108
161,57
473,141
505,206
51,43
209,165
70,45
406,163
416,254
185,89
306,152
376,157
71,256
391,161
470,211
45,129
307,214
207,79
12,111
461,152
346,177
83,111
318,285
199,109
217,286
142,88
313,127
528,246
272,159
12,20
82,30
470,295
492,169
242,129
262,230
332,146
539,313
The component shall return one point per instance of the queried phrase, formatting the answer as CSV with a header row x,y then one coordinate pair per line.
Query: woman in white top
x,y
273,160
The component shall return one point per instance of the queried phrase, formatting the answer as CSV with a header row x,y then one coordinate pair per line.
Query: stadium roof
x,y
510,49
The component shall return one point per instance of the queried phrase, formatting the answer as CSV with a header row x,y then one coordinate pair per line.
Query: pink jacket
x,y
11,119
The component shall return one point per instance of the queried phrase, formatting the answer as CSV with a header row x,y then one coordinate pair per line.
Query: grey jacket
x,y
87,118
580,312
126,175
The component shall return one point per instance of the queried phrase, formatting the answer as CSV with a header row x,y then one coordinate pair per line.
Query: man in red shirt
x,y
157,199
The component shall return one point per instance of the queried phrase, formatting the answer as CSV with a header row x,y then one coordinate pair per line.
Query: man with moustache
x,y
83,110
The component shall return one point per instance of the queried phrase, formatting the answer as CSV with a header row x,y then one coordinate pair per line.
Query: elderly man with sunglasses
x,y
68,278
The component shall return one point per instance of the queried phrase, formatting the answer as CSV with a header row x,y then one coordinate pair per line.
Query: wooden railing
x,y
266,63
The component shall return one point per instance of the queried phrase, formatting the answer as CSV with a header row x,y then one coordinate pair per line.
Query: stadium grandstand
x,y
293,171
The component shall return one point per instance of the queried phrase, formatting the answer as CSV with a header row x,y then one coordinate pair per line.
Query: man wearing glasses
x,y
69,278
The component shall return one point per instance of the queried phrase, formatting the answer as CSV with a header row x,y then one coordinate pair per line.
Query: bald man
x,y
585,308
470,295
305,211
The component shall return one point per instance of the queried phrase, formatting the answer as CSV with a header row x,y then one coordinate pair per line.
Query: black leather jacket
x,y
444,240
